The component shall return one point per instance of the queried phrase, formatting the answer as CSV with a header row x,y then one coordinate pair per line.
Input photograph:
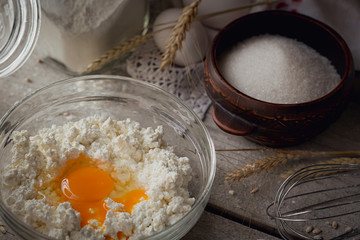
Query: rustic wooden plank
x,y
31,76
212,226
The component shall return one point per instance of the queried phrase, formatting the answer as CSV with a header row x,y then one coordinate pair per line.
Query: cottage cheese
x,y
136,154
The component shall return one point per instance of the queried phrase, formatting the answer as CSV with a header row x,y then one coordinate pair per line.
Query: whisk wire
x,y
315,207
328,187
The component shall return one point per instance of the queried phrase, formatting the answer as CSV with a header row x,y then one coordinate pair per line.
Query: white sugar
x,y
277,69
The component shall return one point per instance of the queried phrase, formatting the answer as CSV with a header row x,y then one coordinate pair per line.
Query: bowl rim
x,y
200,202
340,41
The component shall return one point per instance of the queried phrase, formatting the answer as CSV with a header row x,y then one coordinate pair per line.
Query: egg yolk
x,y
88,184
86,187
131,198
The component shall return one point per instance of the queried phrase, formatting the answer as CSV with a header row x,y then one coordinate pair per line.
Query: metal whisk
x,y
319,202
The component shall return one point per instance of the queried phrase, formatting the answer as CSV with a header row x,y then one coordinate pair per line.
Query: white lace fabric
x,y
184,82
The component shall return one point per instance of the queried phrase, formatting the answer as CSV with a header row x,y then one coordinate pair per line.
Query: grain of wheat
x,y
334,225
309,229
255,190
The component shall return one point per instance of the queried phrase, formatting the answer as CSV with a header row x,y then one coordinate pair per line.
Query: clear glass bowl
x,y
119,98
19,31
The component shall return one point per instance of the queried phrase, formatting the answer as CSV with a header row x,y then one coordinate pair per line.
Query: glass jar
x,y
75,33
19,30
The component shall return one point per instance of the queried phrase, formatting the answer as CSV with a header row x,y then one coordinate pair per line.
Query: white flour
x,y
137,154
80,15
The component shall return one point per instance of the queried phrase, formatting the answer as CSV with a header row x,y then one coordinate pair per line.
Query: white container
x,y
75,33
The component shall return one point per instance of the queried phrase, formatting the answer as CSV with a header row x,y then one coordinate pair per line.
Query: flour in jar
x,y
96,178
75,33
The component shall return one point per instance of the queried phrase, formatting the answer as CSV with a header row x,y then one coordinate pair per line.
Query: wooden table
x,y
235,211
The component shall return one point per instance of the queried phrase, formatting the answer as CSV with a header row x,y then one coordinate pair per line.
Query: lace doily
x,y
184,82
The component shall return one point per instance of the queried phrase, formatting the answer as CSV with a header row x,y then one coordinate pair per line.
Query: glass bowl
x,y
119,98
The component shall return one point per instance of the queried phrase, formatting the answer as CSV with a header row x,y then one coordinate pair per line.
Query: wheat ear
x,y
259,166
179,33
117,52
280,157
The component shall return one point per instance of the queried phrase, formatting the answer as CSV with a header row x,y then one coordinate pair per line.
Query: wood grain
x,y
227,213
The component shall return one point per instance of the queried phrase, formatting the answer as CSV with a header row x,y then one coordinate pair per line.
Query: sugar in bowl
x,y
278,78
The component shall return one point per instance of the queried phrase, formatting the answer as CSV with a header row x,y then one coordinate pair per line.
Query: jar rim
x,y
19,28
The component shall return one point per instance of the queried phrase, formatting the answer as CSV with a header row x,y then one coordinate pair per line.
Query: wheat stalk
x,y
280,157
118,51
259,166
179,33
250,5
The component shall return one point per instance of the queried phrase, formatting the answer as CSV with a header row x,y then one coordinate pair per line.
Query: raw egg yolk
x,y
87,184
86,187
130,199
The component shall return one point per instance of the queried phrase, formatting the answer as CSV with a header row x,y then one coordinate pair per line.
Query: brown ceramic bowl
x,y
267,123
